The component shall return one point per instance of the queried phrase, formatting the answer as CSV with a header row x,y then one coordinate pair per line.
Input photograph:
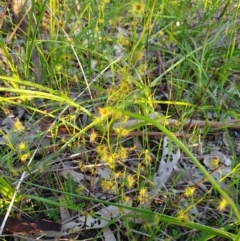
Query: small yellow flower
x,y
126,199
138,8
142,68
18,126
102,150
81,166
64,93
60,24
63,139
58,68
97,120
104,112
73,117
182,216
80,189
121,131
110,160
138,55
22,146
107,185
143,195
117,175
214,162
114,94
93,135
222,204
24,157
123,118
130,181
189,191
104,156
123,41
75,78
123,153
124,87
66,58
148,157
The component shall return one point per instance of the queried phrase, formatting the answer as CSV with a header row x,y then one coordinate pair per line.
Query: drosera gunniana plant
x,y
107,52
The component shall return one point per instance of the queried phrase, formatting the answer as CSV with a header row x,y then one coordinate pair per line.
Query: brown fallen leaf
x,y
16,225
